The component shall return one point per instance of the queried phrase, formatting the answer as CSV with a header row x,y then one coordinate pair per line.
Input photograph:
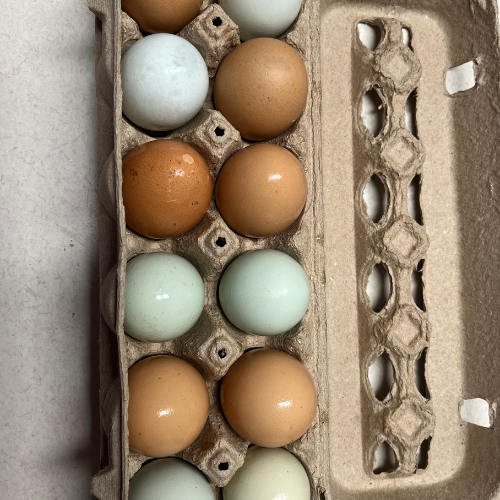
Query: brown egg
x,y
261,190
268,397
166,188
162,16
168,406
261,88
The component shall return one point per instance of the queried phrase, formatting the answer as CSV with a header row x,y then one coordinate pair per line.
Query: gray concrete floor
x,y
48,251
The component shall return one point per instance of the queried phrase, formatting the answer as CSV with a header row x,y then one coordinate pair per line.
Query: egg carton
x,y
213,344
455,155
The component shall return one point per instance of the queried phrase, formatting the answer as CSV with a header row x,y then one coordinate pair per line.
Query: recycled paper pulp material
x,y
455,249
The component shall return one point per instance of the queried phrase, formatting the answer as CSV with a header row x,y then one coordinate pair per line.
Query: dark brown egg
x,y
261,88
162,16
268,397
166,188
168,405
261,190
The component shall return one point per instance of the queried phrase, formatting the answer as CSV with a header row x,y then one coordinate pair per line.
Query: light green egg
x,y
269,474
164,297
169,479
264,292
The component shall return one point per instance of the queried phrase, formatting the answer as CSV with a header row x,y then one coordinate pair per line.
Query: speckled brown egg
x,y
162,16
166,188
261,88
168,405
261,190
268,397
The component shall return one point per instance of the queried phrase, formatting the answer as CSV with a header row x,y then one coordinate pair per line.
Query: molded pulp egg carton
x,y
213,344
455,248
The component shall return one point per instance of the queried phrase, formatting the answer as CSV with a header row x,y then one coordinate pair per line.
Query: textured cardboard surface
x,y
459,295
456,157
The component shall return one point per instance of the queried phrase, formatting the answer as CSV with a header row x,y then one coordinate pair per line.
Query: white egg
x,y
164,82
261,18
269,474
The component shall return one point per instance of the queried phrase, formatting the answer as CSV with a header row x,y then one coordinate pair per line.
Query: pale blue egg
x,y
169,479
269,474
164,82
264,292
261,18
164,297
